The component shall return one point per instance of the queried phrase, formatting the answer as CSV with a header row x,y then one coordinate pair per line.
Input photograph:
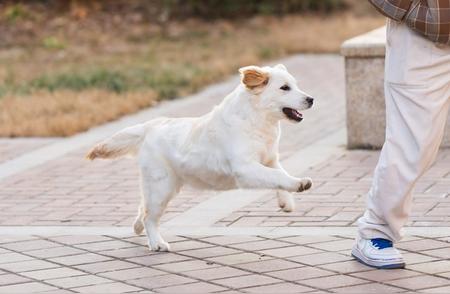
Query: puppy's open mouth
x,y
292,114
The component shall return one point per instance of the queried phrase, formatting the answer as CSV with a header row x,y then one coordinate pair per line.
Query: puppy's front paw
x,y
305,184
159,246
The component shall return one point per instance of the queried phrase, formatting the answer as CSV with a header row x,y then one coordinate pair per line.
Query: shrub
x,y
15,12
236,8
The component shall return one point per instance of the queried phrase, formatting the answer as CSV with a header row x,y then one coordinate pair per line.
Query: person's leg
x,y
417,93
415,130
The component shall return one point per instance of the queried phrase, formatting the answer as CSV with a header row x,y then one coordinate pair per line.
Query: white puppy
x,y
233,146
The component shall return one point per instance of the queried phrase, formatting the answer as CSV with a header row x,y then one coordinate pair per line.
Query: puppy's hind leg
x,y
285,201
159,185
138,224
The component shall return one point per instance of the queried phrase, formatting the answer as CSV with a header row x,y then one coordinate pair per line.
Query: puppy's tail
x,y
125,142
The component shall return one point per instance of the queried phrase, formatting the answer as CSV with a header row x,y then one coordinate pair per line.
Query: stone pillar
x,y
364,75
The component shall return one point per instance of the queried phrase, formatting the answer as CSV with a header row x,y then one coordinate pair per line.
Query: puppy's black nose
x,y
310,100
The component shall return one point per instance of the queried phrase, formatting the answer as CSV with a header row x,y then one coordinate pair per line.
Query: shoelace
x,y
381,243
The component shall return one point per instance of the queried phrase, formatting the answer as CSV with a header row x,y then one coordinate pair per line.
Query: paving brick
x,y
413,258
420,282
422,245
334,245
199,287
216,273
268,265
260,245
161,281
278,288
105,266
439,253
78,281
369,288
107,288
445,275
238,258
246,281
58,291
54,252
345,216
13,257
53,273
132,273
290,251
28,265
26,287
15,239
189,245
80,259
3,251
437,290
9,279
106,245
188,265
302,273
127,252
226,240
323,211
435,267
248,221
158,258
29,245
303,240
321,258
70,240
210,252
346,267
333,282
385,275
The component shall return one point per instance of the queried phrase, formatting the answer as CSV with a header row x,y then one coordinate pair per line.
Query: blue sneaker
x,y
378,253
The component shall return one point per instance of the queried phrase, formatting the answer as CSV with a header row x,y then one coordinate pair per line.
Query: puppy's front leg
x,y
254,175
285,199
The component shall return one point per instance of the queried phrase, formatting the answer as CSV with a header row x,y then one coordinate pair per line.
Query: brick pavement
x,y
338,196
11,148
72,191
257,264
68,220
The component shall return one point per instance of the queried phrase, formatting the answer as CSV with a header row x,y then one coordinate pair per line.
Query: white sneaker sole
x,y
377,263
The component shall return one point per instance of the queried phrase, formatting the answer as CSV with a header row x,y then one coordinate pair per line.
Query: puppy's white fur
x,y
233,146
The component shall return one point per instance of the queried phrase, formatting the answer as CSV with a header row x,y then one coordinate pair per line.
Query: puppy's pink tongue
x,y
297,113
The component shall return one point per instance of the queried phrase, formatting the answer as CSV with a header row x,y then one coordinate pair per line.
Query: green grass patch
x,y
53,43
102,79
16,12
168,83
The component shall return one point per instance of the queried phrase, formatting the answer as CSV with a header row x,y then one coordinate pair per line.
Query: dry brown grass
x,y
65,113
143,67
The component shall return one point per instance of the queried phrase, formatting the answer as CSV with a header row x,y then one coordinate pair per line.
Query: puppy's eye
x,y
285,88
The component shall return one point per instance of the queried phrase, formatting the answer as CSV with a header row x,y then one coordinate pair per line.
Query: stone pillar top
x,y
371,44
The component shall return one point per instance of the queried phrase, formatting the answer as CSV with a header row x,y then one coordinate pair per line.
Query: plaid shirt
x,y
428,17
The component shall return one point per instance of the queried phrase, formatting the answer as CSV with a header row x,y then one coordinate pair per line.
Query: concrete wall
x,y
364,71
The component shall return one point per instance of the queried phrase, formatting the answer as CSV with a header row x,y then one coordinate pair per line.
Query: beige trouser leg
x,y
417,93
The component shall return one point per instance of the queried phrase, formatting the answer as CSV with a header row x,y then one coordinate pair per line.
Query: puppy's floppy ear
x,y
253,76
280,66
